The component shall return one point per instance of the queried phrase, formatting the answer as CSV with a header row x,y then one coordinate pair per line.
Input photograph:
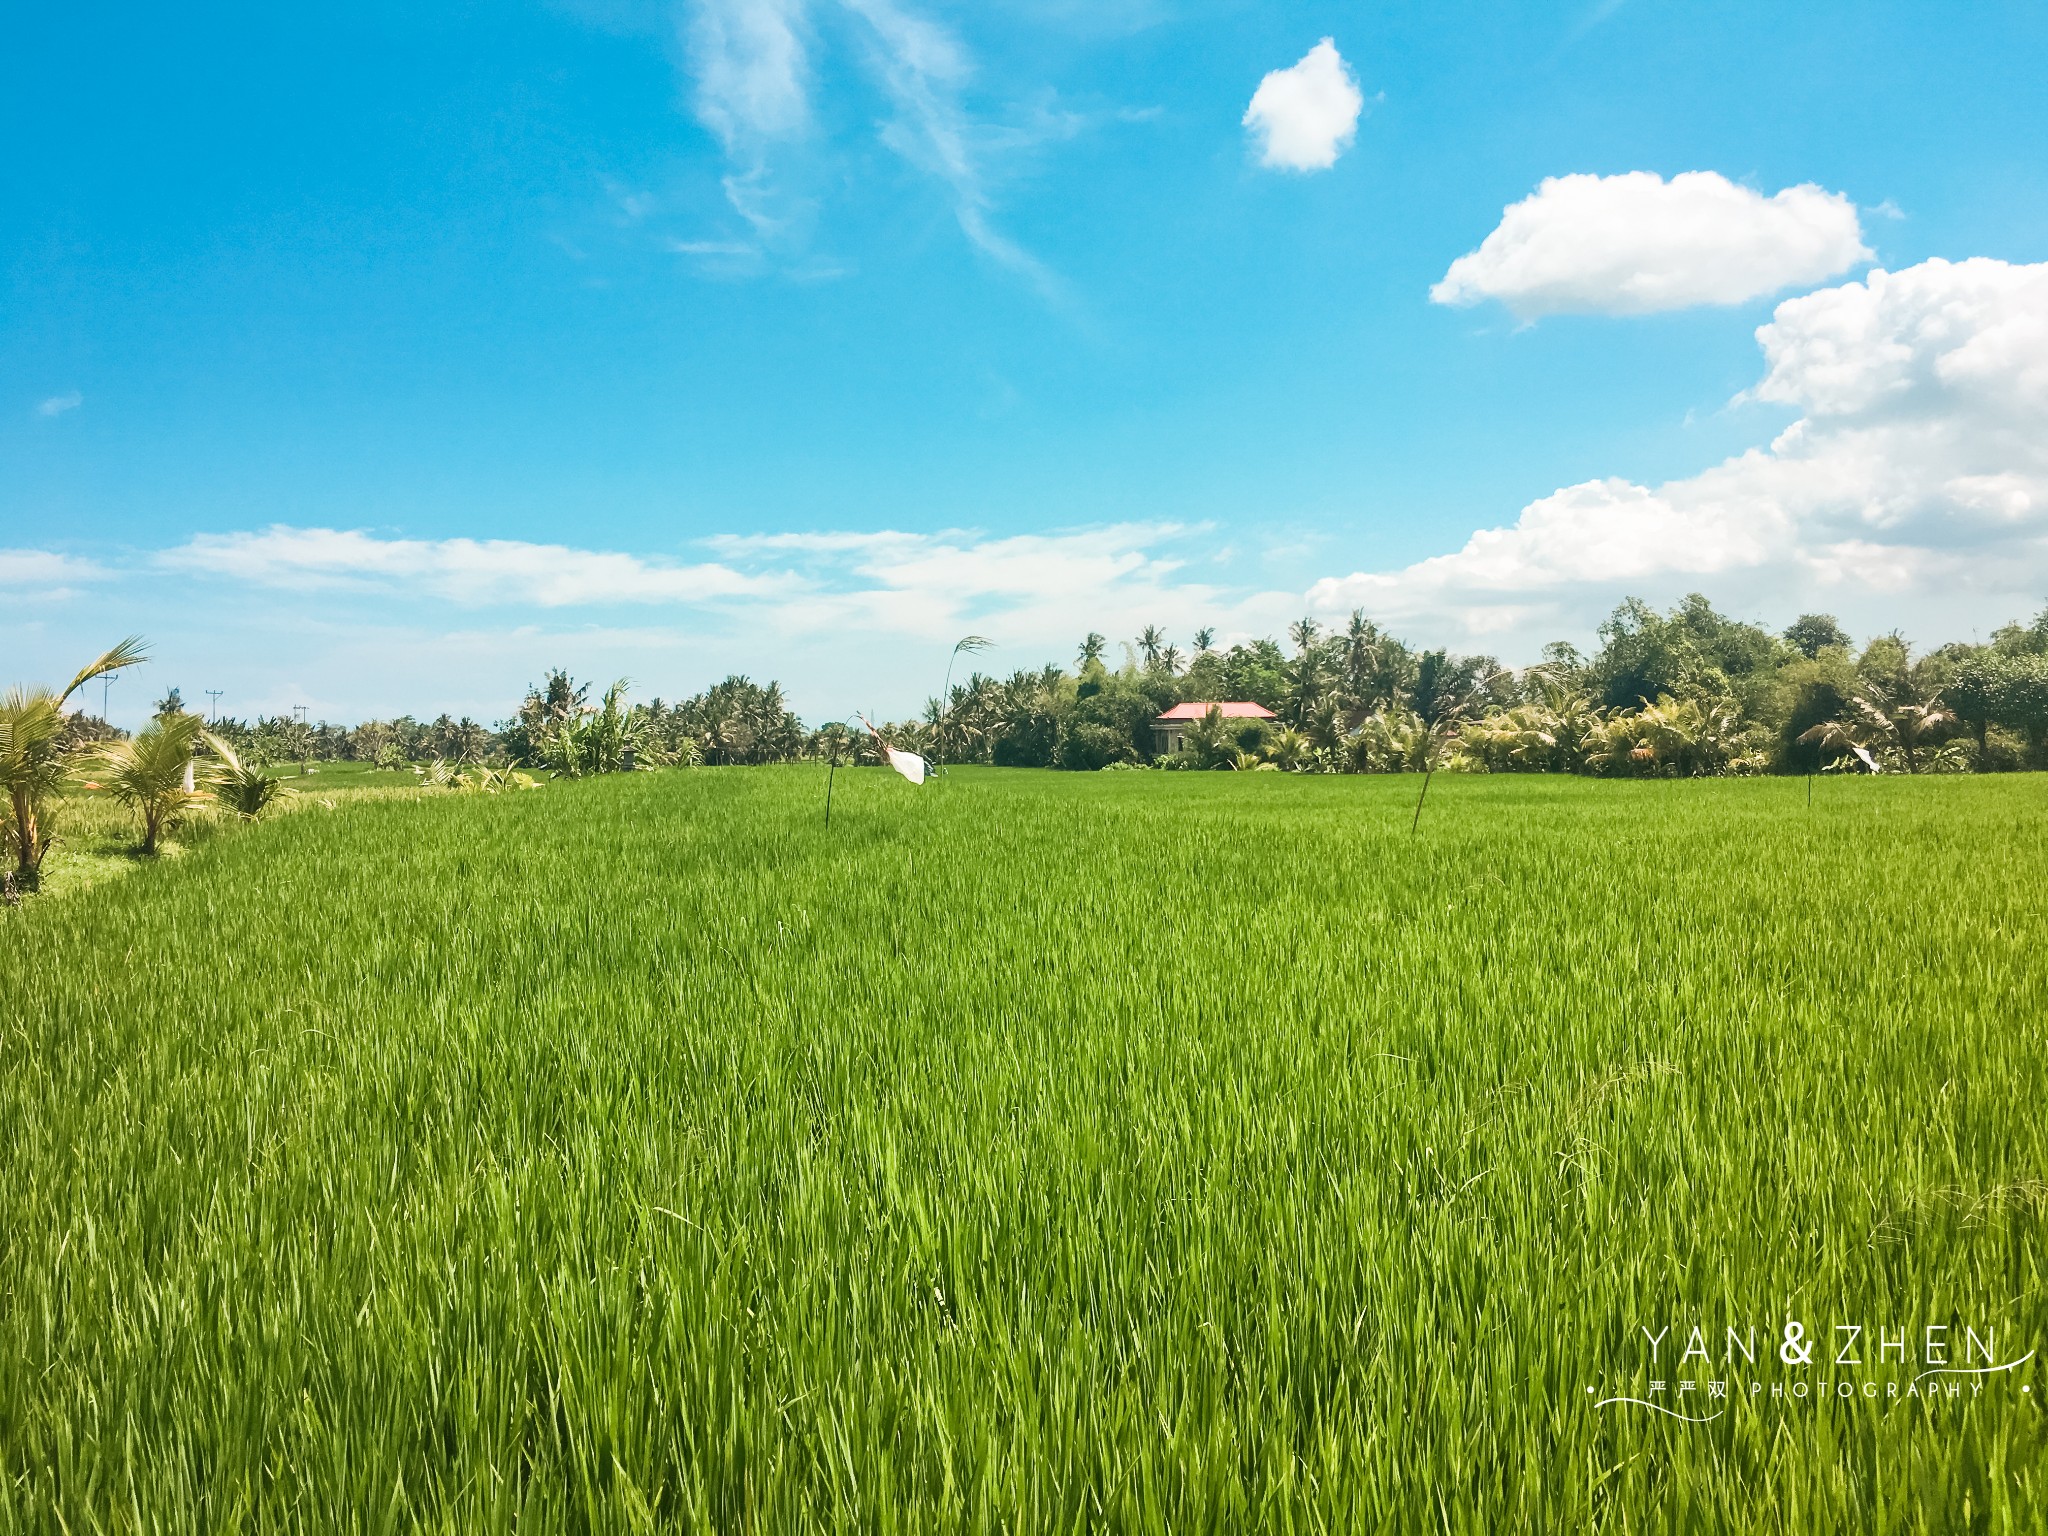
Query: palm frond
x,y
130,652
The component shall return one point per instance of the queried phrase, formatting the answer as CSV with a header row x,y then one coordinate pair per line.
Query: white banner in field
x,y
909,764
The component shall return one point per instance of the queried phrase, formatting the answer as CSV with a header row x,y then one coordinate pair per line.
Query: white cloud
x,y
923,69
1031,590
752,65
57,405
752,70
1304,117
846,617
1034,588
468,571
1635,244
1919,469
43,572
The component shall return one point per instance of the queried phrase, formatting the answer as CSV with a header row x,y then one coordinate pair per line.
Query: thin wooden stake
x,y
1419,799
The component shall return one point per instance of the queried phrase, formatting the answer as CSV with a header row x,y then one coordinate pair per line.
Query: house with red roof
x,y
1170,730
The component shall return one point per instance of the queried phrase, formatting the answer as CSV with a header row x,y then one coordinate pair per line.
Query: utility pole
x,y
305,738
214,694
106,687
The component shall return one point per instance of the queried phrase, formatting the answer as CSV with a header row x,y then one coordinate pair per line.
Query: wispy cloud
x,y
750,60
711,248
924,69
754,67
57,405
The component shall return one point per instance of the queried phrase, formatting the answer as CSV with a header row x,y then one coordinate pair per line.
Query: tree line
x,y
1683,692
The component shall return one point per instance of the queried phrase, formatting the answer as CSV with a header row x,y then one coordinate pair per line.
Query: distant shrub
x,y
1086,747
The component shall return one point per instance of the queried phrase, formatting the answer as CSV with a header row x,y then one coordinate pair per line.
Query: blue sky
x,y
376,357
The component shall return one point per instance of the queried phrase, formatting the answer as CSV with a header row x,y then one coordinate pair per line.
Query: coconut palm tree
x,y
1303,632
607,739
1288,749
1386,741
241,787
1091,651
1150,643
152,772
1205,641
33,761
1908,718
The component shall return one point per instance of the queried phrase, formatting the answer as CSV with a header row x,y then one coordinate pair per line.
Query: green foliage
x,y
1096,1152
1087,747
601,739
1810,691
1688,737
1812,633
1646,655
737,721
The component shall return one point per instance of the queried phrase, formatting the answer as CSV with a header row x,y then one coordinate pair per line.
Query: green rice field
x,y
1039,1152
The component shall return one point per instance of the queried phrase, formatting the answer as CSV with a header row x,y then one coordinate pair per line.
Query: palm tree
x,y
1205,641
33,761
1150,643
1287,749
152,772
1908,720
1893,716
1091,651
1836,739
1170,658
243,788
1305,680
1303,632
1325,729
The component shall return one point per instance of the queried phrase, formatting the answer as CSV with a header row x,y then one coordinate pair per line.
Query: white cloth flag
x,y
909,764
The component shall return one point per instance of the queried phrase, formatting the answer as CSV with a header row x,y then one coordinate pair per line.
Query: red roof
x,y
1229,712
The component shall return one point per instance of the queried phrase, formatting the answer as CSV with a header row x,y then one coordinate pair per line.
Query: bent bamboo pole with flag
x,y
909,764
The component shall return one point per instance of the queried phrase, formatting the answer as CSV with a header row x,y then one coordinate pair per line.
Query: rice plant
x,y
1034,1152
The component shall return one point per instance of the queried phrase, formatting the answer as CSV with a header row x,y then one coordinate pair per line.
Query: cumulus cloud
x,y
1303,117
1635,244
1919,467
